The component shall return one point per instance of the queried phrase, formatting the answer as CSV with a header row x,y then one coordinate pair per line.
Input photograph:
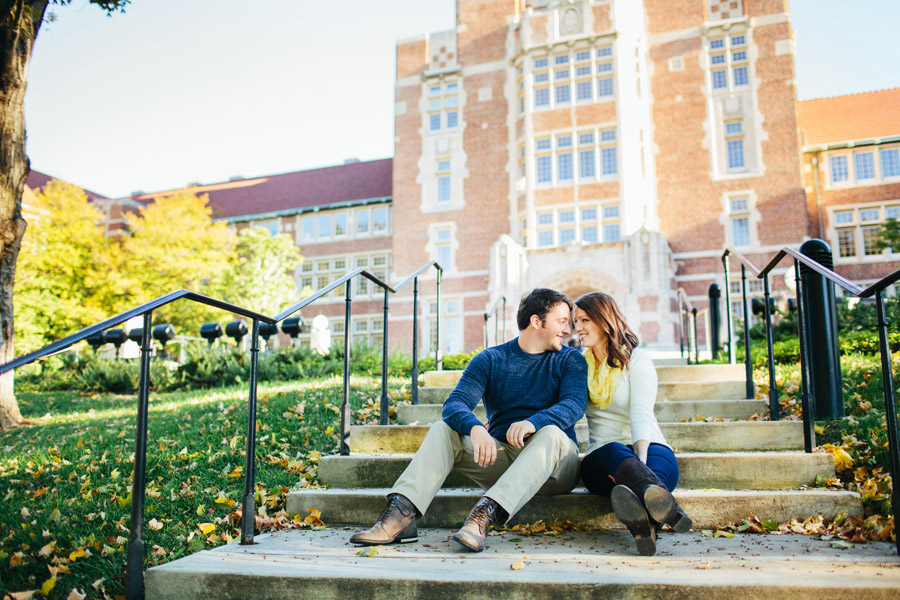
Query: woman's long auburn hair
x,y
620,339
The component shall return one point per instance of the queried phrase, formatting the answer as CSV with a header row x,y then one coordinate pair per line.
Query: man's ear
x,y
535,322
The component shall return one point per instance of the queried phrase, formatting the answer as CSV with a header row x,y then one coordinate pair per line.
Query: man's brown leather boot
x,y
397,523
474,530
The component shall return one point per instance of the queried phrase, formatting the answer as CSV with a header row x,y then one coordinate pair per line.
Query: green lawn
x,y
66,480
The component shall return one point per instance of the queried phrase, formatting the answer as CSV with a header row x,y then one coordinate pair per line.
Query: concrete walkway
x,y
574,564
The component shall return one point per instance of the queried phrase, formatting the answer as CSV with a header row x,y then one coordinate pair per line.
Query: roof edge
x,y
851,144
302,209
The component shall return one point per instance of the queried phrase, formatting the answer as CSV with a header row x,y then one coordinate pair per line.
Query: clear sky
x,y
174,92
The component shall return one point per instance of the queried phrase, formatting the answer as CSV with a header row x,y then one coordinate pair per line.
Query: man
x,y
534,390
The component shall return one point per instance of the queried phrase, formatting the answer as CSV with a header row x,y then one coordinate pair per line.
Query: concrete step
x,y
576,565
707,508
666,374
686,390
736,436
666,411
734,470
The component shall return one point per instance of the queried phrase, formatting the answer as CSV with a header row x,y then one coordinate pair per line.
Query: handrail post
x,y
696,340
504,319
809,423
774,410
415,344
729,319
486,317
748,360
890,411
134,584
681,327
383,418
496,325
345,400
437,325
248,507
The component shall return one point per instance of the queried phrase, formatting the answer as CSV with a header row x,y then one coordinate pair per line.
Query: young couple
x,y
534,390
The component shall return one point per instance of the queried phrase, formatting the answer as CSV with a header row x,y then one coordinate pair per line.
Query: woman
x,y
626,448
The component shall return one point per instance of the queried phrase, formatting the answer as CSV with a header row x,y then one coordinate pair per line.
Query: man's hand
x,y
518,431
485,446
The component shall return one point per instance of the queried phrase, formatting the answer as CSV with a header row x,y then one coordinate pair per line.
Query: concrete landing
x,y
574,565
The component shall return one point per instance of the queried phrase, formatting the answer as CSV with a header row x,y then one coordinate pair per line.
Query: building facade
x,y
596,145
582,145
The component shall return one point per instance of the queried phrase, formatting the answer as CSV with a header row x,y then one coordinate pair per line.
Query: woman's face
x,y
587,330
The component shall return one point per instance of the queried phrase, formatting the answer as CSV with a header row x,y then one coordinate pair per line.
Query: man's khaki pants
x,y
546,465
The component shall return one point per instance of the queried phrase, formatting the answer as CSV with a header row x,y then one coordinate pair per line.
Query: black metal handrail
x,y
135,553
876,290
495,307
687,311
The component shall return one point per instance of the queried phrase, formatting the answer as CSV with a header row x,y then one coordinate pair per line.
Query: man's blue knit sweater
x,y
549,388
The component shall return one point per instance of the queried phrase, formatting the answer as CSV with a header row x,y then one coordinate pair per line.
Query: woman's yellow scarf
x,y
602,380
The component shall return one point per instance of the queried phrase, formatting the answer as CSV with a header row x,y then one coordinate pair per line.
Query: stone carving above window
x,y
571,20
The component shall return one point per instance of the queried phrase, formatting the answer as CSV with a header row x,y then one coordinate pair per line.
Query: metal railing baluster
x,y
774,409
748,360
890,409
134,568
248,506
809,423
414,376
345,398
383,417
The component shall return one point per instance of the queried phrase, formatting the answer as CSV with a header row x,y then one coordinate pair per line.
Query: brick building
x,y
585,145
851,173
596,145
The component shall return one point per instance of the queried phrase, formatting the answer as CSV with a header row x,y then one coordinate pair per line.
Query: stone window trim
x,y
338,225
563,76
591,222
861,166
575,156
852,227
729,58
739,215
443,241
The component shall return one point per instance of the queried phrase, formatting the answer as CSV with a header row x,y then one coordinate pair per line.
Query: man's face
x,y
555,328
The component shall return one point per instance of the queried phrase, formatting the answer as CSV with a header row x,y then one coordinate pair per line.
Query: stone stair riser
x,y
666,374
718,390
670,411
737,436
770,471
706,508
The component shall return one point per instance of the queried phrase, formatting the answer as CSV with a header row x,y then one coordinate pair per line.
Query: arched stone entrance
x,y
576,282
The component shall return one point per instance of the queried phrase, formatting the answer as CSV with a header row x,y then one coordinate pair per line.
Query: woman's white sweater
x,y
629,416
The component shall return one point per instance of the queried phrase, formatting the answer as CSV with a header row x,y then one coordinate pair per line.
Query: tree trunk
x,y
19,23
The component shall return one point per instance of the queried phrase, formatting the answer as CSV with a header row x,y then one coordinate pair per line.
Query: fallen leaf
x,y
75,554
724,534
40,492
76,594
23,595
48,549
154,525
206,528
369,552
236,472
519,564
48,585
